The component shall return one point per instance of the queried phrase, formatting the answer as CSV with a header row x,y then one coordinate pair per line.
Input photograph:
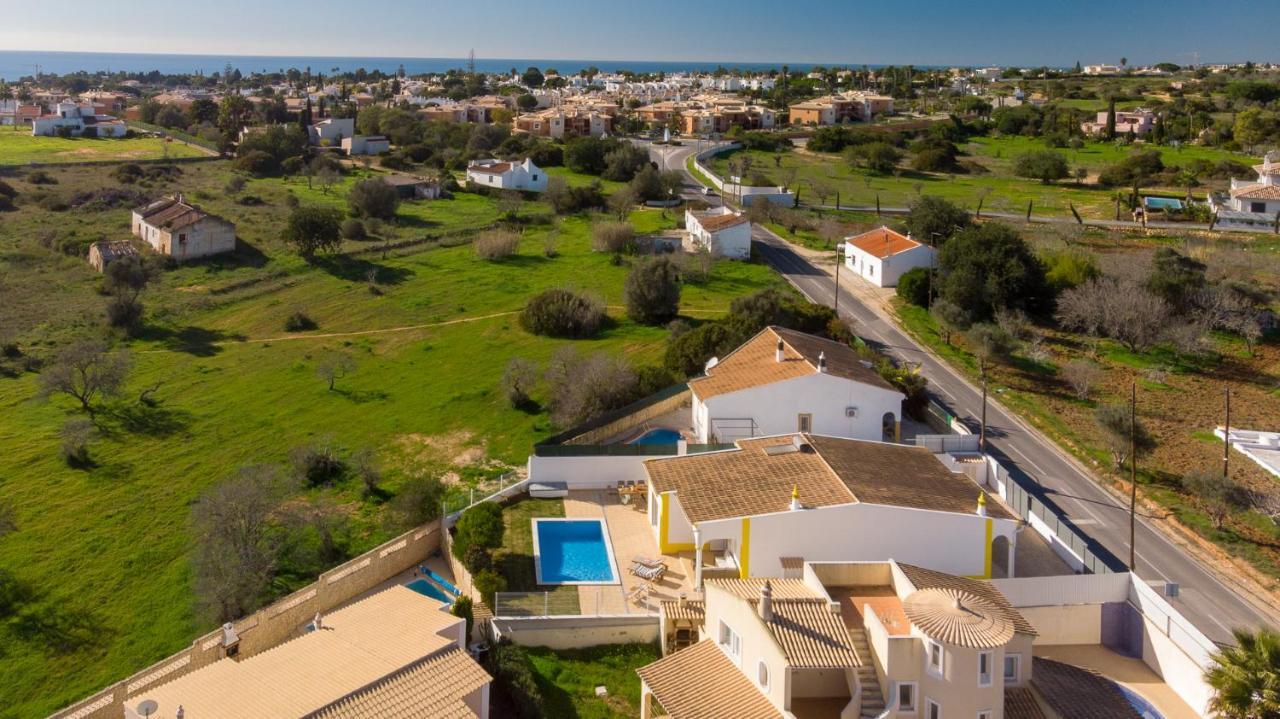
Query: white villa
x,y
882,256
397,655
720,231
81,120
503,175
180,230
770,500
1251,205
365,145
331,131
784,381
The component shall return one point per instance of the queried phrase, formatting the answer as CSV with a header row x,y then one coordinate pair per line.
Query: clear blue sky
x,y
924,32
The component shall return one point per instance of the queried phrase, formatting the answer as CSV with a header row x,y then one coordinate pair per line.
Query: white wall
x,y
733,242
776,406
1066,624
588,472
578,632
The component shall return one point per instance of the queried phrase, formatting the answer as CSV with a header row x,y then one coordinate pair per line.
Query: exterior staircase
x,y
872,697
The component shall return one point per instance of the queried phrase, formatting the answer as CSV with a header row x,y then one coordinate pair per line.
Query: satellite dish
x,y
147,707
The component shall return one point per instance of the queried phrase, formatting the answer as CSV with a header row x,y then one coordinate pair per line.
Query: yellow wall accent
x,y
664,520
986,552
744,561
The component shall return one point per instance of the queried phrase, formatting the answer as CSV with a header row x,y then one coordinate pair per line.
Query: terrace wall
x,y
272,624
578,632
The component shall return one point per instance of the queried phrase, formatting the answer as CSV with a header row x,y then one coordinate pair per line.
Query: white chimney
x,y
766,602
229,636
822,362
779,355
318,622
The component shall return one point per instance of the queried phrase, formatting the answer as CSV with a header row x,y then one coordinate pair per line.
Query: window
x,y
906,697
935,658
984,669
932,710
804,423
729,640
182,239
762,676
984,714
535,178
1012,666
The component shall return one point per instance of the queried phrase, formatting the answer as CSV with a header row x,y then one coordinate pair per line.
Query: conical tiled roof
x,y
954,616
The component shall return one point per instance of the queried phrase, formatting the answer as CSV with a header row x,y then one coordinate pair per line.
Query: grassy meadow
x,y
19,147
103,551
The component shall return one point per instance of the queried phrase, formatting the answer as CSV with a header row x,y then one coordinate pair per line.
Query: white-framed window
x,y
984,668
762,675
1012,668
804,423
906,697
729,640
984,714
932,710
935,658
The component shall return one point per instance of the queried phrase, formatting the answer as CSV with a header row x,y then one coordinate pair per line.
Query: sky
x,y
922,32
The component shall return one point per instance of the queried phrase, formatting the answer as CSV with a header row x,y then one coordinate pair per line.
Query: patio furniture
x,y
651,574
639,594
649,561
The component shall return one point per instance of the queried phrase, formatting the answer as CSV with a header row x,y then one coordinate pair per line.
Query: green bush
x,y
462,607
561,313
480,526
257,163
477,559
913,286
513,677
374,197
40,177
353,229
317,464
299,321
652,291
489,583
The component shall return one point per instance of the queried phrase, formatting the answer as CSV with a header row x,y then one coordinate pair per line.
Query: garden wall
x,y
577,632
270,625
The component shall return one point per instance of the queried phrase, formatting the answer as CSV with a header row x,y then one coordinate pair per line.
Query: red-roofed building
x,y
881,256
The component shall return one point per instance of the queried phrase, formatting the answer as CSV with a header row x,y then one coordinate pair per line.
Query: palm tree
x,y
1246,678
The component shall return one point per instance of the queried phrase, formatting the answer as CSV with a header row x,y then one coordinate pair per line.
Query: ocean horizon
x,y
15,64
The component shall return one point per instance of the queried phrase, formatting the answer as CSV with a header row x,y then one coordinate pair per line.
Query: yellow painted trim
x,y
744,561
986,552
664,522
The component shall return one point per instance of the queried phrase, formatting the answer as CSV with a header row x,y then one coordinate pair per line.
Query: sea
x,y
15,64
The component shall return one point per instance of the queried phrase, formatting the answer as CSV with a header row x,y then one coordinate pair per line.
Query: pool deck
x,y
1132,673
631,536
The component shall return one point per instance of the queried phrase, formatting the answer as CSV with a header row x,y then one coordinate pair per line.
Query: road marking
x,y
1151,564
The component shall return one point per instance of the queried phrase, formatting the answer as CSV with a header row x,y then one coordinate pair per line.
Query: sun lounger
x,y
639,594
652,574
648,561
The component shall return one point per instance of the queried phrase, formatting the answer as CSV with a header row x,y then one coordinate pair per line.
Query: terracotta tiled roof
x,y
359,646
693,609
882,242
755,364
172,213
922,578
825,471
434,687
792,562
1257,192
714,222
750,588
1079,693
496,168
1020,703
958,617
811,634
701,683
901,475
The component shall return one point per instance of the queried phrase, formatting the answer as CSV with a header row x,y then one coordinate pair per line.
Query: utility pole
x,y
1133,475
982,431
1226,438
838,263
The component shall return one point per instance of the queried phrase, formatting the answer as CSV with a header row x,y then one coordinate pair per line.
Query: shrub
x,y
513,677
6,204
76,434
40,177
477,559
913,286
417,501
316,464
488,583
989,267
518,381
257,163
128,173
52,202
374,197
496,244
1043,165
562,313
235,184
653,291
299,321
582,388
314,229
479,526
616,237
462,608
353,229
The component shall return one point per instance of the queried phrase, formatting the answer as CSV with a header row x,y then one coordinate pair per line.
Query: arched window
x,y
763,676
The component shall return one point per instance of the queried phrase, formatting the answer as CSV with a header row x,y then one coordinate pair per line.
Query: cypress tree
x,y
1111,119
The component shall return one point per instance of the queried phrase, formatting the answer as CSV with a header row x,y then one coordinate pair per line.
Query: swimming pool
x,y
1162,203
661,435
1139,704
424,587
572,551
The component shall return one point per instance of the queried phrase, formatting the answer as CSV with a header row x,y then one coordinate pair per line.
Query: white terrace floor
x,y
631,536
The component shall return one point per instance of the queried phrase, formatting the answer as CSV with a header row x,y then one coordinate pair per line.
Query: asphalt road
x,y
1205,597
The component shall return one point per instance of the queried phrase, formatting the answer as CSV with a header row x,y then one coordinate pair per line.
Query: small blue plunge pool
x,y
572,551
424,586
1162,203
658,436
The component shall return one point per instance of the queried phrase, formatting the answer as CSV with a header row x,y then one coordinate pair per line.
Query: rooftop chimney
x,y
181,712
778,355
982,504
230,640
822,362
795,499
766,602
318,622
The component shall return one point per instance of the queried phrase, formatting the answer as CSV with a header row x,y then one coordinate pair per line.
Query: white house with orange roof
x,y
882,256
1251,204
784,381
720,231
504,175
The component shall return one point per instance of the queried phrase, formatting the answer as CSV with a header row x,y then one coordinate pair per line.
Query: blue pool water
x,y
1142,706
1162,203
658,436
422,586
572,552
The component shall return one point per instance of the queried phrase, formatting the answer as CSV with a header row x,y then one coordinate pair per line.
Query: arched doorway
x,y
889,427
1000,557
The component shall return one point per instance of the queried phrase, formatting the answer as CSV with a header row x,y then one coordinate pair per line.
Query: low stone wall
x,y
270,625
578,632
633,420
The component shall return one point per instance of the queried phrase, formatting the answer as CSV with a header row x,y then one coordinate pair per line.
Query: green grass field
x,y
104,551
568,678
20,147
998,189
